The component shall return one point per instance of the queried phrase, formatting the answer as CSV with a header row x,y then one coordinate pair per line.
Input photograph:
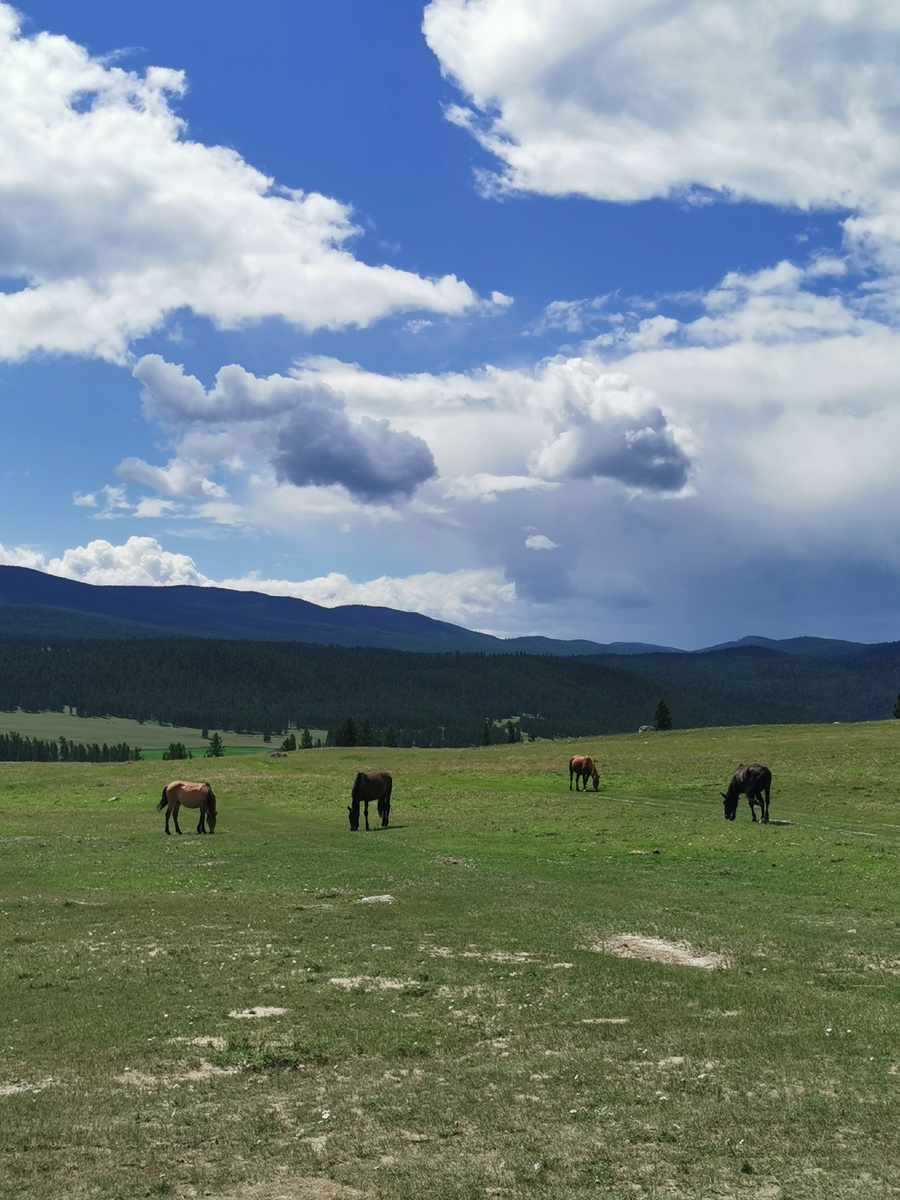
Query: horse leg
x,y
367,815
201,827
386,809
175,808
751,800
168,810
764,805
571,773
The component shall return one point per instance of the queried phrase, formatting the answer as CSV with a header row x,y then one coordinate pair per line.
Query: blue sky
x,y
577,319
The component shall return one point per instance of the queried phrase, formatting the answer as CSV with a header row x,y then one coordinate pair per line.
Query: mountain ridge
x,y
34,604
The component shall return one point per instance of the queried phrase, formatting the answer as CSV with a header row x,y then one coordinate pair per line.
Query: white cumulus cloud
x,y
790,103
111,217
539,541
139,561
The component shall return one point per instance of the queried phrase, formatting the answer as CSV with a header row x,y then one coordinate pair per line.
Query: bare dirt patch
x,y
261,1010
373,983
649,949
376,900
16,1089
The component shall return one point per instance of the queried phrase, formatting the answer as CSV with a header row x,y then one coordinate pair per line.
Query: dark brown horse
x,y
753,782
583,768
374,786
179,794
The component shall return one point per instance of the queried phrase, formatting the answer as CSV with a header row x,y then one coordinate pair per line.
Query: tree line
x,y
15,748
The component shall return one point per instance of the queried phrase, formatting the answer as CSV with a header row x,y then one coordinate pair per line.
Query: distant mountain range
x,y
34,604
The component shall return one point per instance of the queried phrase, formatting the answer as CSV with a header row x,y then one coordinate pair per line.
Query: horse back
x,y
190,795
372,785
759,776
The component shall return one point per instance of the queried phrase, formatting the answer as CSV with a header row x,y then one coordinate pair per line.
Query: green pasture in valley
x,y
149,736
513,991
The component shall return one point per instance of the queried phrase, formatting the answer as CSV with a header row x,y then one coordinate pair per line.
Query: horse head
x,y
353,810
730,799
211,812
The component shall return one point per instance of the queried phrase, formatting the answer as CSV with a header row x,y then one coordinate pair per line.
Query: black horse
x,y
374,786
753,782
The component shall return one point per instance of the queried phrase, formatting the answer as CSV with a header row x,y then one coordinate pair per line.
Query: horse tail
x,y
164,801
211,801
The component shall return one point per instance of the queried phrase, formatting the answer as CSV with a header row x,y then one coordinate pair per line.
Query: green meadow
x,y
150,737
513,991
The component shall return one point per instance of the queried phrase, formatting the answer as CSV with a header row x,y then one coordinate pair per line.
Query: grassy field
x,y
447,1008
152,739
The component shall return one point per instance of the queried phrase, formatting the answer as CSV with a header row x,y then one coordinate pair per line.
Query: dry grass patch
x,y
214,1043
201,1074
650,949
309,1187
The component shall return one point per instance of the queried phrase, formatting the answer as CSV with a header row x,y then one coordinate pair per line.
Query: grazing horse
x,y
753,782
374,786
581,767
189,795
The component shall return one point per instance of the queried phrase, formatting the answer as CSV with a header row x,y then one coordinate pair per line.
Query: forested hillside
x,y
751,685
429,699
436,699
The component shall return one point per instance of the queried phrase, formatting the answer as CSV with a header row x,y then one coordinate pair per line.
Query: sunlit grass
x,y
468,1036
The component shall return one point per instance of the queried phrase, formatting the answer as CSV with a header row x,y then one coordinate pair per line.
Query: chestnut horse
x,y
581,767
753,782
179,794
374,786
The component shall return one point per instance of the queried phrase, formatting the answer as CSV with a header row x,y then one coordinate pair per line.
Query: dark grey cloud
x,y
372,461
639,452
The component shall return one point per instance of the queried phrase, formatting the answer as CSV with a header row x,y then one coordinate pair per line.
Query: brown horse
x,y
753,782
179,794
581,767
374,786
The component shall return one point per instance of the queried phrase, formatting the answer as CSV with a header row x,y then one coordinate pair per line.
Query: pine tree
x,y
896,712
662,718
306,740
389,738
511,732
486,737
345,734
215,749
365,733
